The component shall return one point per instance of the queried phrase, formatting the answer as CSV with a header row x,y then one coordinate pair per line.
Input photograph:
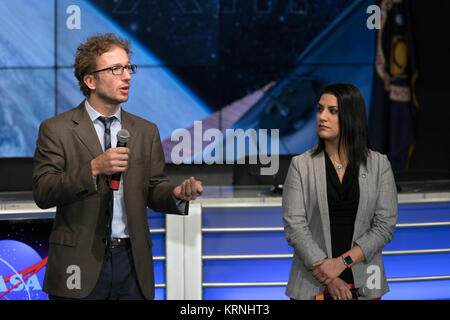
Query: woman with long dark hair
x,y
339,204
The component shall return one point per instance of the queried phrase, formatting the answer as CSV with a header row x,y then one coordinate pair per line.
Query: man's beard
x,y
110,100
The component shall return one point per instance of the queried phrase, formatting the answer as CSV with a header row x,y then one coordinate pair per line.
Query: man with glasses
x,y
100,245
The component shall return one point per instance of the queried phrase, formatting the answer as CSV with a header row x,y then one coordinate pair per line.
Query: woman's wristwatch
x,y
348,261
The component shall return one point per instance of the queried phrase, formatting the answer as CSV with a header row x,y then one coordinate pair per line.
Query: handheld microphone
x,y
356,292
122,138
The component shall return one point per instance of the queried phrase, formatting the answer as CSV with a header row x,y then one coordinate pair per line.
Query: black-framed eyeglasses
x,y
118,70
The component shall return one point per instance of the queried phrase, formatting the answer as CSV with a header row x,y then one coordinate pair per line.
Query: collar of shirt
x,y
116,125
93,114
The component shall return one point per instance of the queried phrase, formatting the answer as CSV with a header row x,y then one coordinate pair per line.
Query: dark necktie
x,y
107,140
107,136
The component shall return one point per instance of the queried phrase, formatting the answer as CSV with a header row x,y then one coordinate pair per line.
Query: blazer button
x,y
104,240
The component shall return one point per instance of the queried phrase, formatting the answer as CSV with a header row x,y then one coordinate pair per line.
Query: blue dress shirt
x,y
119,222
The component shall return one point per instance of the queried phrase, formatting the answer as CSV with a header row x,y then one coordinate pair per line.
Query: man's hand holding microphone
x,y
114,161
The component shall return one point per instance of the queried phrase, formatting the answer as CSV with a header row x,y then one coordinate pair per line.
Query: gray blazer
x,y
307,224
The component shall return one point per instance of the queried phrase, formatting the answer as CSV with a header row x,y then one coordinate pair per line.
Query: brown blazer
x,y
62,177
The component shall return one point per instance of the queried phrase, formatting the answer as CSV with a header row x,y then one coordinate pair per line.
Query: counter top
x,y
20,203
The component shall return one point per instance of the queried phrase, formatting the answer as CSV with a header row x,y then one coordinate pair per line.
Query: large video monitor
x,y
222,65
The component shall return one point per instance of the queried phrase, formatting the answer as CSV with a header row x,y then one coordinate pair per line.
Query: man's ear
x,y
89,80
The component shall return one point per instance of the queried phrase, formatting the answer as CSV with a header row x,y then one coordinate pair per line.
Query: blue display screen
x,y
24,250
203,60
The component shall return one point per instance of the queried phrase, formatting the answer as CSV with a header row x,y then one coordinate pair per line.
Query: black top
x,y
343,202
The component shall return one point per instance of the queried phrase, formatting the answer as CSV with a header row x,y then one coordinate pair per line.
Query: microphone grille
x,y
123,136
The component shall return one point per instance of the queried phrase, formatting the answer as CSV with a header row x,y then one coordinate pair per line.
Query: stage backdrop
x,y
229,64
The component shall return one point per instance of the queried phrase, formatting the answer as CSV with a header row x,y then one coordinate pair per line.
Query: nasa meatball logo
x,y
22,272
